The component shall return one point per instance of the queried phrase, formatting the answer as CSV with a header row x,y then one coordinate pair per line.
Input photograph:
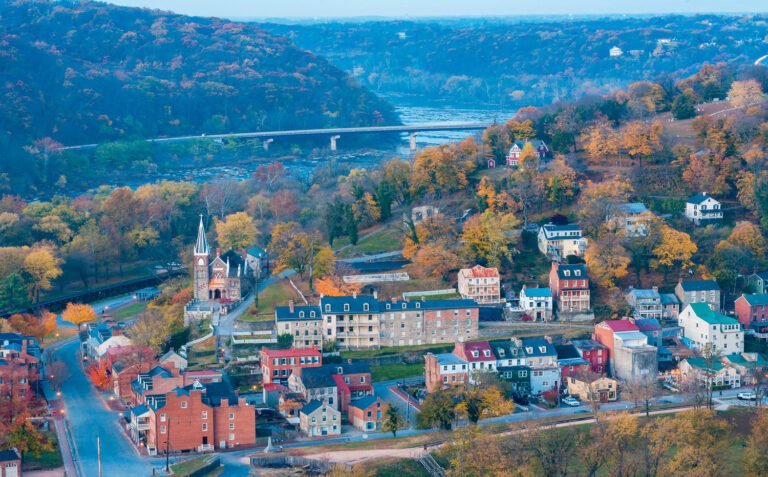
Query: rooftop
x,y
706,365
645,294
567,351
537,344
704,312
479,271
364,402
284,313
291,352
619,325
634,208
312,406
669,299
699,285
588,345
756,299
578,270
699,198
537,292
648,324
448,359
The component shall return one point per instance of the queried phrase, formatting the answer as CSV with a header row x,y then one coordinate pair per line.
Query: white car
x,y
571,401
746,397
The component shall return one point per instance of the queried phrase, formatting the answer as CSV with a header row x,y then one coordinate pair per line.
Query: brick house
x,y
315,384
480,284
570,361
367,413
320,418
444,370
604,334
570,287
353,381
194,418
752,313
124,372
10,463
594,352
19,364
276,364
478,355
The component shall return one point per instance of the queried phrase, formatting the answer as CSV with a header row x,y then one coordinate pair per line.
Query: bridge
x,y
333,133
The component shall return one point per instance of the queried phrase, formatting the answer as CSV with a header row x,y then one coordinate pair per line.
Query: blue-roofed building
x,y
559,241
541,357
670,306
645,302
703,209
444,370
367,413
256,258
537,303
304,323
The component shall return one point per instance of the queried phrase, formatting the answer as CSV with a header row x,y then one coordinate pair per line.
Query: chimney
x,y
218,252
349,360
548,338
290,305
375,294
423,298
354,295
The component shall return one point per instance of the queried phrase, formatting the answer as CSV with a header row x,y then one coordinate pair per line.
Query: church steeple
x,y
201,246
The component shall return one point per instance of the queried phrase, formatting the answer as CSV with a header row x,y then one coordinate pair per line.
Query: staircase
x,y
431,465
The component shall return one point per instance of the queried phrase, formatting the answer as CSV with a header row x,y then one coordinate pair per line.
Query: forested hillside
x,y
522,61
84,72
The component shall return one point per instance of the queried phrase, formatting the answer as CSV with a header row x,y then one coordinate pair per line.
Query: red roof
x,y
484,352
619,325
478,271
273,387
291,353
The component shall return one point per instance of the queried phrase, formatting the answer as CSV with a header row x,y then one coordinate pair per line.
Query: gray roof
x,y
633,208
364,402
561,231
320,377
572,269
536,343
335,304
201,245
312,406
588,345
669,299
505,346
699,198
448,359
645,294
699,285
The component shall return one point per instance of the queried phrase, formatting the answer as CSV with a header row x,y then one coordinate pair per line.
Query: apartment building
x,y
480,284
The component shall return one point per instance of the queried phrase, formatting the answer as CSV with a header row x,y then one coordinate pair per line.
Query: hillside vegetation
x,y
86,72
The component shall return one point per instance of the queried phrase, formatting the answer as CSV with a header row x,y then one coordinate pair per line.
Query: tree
x,y
674,251
642,140
237,231
42,266
270,174
438,410
435,262
285,340
78,313
642,390
439,171
97,373
599,200
150,329
600,141
13,292
745,93
474,454
755,464
487,401
393,421
700,441
487,237
24,437
683,107
607,260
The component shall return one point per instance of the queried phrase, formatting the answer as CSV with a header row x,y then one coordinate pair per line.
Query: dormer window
x,y
404,305
529,350
567,273
418,305
339,370
486,353
346,306
542,349
475,354
365,306
301,314
311,314
500,351
327,307
577,273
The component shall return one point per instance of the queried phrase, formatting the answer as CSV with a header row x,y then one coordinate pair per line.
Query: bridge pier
x,y
266,143
412,137
333,142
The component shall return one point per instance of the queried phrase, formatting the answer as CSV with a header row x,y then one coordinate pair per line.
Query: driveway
x,y
89,419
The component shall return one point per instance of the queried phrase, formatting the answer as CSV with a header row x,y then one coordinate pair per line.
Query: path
x,y
370,258
373,231
357,456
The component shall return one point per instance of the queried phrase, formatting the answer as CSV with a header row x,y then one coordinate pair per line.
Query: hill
x,y
526,60
83,72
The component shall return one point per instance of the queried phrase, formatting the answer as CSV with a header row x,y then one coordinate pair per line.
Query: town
x,y
580,288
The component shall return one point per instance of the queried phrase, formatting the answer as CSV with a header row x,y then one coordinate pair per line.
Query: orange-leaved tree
x,y
78,313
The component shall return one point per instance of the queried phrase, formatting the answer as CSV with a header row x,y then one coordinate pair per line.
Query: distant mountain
x,y
527,60
84,72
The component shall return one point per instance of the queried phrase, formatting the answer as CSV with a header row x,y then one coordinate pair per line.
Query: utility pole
x,y
98,453
167,446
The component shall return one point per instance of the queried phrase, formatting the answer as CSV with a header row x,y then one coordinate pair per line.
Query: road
x,y
382,390
760,60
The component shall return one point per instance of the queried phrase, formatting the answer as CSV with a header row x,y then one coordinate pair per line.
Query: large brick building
x,y
752,312
570,287
19,365
193,418
277,364
444,370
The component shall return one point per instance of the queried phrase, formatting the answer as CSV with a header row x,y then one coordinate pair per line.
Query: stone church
x,y
224,278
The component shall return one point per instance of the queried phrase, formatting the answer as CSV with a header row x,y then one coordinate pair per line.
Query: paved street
x,y
89,418
382,390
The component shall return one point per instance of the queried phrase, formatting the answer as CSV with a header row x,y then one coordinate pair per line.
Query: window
x,y
162,429
162,417
231,415
231,426
418,305
328,308
301,314
365,306
231,437
205,427
183,404
205,414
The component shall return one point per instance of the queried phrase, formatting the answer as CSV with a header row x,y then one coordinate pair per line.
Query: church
x,y
224,278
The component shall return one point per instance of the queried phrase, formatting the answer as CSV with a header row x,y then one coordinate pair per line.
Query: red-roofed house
x,y
478,355
604,333
480,284
276,364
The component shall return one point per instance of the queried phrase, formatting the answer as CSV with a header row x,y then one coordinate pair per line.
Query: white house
x,y
559,241
615,52
513,157
480,284
710,372
541,357
701,326
703,209
537,302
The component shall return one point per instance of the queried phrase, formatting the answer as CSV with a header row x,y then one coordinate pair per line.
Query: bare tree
x,y
642,390
759,381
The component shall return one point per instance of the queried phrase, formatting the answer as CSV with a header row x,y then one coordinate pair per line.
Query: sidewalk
x,y
66,450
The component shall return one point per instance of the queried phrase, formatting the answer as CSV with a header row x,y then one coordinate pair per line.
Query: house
x,y
630,218
710,372
633,357
353,381
703,328
645,303
304,323
367,413
256,258
444,370
615,52
758,282
594,352
510,364
277,364
480,284
100,339
670,306
478,356
320,418
702,209
516,150
559,241
541,357
570,361
698,291
314,384
10,463
604,334
172,358
537,302
20,365
746,364
270,394
752,313
424,212
194,418
570,287
651,328
123,373
593,388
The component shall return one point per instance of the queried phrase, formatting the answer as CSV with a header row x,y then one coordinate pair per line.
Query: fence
x,y
295,461
254,337
419,294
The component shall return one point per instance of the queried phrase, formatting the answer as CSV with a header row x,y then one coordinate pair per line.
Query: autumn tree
x,y
488,401
270,174
26,439
560,182
434,261
475,454
438,409
439,171
150,329
674,251
487,237
301,251
98,374
745,93
237,231
642,140
600,141
42,266
78,313
393,420
599,201
700,441
607,260
755,464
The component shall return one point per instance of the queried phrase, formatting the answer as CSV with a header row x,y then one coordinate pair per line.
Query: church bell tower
x,y
200,265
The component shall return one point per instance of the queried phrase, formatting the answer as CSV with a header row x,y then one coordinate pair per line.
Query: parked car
x,y
527,318
746,396
571,401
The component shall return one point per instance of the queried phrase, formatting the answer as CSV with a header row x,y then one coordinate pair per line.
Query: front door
x,y
205,440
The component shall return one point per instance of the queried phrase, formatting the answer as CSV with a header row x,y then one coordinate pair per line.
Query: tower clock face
x,y
201,262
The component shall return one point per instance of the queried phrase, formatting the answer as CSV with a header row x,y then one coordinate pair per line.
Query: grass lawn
x,y
273,296
396,371
47,460
60,334
444,296
391,467
129,311
389,350
388,239
189,466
